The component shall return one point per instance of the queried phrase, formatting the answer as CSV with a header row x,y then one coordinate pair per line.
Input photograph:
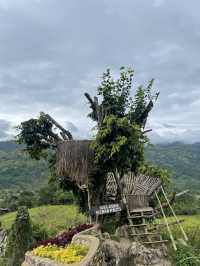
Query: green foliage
x,y
20,238
183,205
38,136
18,170
3,261
39,232
182,161
119,144
154,170
185,256
12,199
116,94
52,194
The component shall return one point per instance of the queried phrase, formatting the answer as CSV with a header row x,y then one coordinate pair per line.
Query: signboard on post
x,y
106,209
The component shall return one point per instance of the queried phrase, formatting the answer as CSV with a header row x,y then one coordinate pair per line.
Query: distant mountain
x,y
183,161
17,169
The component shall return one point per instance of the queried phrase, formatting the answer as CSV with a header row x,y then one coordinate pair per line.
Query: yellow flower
x,y
72,253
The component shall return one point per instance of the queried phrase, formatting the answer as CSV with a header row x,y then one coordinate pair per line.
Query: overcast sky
x,y
52,51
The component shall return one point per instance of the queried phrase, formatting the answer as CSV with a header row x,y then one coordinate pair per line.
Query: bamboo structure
x,y
168,227
75,160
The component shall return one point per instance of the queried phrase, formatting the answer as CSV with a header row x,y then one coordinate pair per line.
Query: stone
x,y
122,232
3,241
106,235
126,254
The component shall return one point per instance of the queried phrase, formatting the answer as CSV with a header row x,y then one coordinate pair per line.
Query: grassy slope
x,y
17,169
53,218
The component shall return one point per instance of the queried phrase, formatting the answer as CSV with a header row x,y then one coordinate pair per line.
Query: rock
x,y
122,232
3,241
147,256
126,254
113,253
106,235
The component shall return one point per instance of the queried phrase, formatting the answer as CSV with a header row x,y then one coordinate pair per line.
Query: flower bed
x,y
72,253
65,238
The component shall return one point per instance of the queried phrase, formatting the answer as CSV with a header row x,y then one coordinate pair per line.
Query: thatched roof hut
x,y
75,160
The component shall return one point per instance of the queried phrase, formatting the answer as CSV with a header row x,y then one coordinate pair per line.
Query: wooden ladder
x,y
140,229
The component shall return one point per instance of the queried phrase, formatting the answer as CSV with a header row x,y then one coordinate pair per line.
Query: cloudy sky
x,y
52,51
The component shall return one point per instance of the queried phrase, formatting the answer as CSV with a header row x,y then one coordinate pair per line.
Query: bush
x,y
185,256
183,205
20,238
66,237
3,261
39,233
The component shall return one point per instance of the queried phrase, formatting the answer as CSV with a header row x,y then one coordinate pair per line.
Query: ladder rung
x,y
137,225
155,242
144,234
141,216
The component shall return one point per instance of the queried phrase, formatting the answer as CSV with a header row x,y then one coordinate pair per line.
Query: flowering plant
x,y
72,253
66,237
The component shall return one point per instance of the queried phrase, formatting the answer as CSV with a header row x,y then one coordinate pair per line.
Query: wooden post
x,y
182,230
165,218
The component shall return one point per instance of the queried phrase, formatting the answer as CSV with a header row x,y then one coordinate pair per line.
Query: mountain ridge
x,y
18,170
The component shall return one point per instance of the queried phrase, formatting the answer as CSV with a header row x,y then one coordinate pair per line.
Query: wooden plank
x,y
145,234
155,242
166,221
141,216
137,225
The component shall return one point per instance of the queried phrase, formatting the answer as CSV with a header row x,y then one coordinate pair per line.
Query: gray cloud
x,y
5,127
53,51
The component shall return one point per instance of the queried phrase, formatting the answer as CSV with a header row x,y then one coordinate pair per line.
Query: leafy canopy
x,y
38,136
121,118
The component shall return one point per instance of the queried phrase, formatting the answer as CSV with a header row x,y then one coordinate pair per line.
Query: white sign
x,y
111,208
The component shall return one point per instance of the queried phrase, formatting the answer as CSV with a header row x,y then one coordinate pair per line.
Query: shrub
x,y
66,237
20,238
71,254
39,233
185,256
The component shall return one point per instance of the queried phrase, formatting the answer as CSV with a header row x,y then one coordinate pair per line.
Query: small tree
x,y
20,238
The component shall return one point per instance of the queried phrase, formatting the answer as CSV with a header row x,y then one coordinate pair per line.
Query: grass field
x,y
191,226
57,218
53,218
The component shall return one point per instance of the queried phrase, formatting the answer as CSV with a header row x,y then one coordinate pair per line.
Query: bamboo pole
x,y
181,227
165,218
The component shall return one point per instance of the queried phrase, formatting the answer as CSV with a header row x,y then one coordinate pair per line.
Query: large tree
x,y
120,112
121,116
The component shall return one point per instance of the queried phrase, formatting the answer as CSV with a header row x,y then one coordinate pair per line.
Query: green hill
x,y
18,170
182,160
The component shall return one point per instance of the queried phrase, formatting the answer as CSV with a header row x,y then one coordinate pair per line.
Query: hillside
x,y
52,218
182,160
18,170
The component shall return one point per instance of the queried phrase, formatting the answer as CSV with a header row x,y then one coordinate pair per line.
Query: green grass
x,y
191,226
52,218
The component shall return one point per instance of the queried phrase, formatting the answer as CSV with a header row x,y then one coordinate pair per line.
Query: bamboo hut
x,y
74,160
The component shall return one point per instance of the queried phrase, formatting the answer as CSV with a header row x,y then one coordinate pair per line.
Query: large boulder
x,y
129,254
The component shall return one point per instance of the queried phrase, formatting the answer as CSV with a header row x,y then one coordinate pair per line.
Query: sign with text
x,y
110,208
